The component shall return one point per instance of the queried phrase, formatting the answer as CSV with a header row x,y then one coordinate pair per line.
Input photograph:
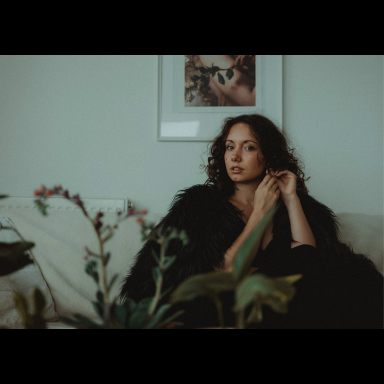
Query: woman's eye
x,y
229,146
250,148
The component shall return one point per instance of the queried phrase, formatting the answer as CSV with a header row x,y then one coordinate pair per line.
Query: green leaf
x,y
107,257
158,315
202,69
221,78
98,309
42,207
95,276
250,287
156,272
194,77
15,249
207,284
130,305
39,301
100,297
155,256
256,314
169,319
260,289
90,267
13,258
205,80
168,261
229,73
184,237
138,319
114,277
144,304
247,251
120,313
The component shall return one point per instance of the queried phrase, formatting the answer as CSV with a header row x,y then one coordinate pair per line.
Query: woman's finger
x,y
266,179
285,172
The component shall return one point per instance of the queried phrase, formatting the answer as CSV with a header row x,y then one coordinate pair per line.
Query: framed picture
x,y
197,92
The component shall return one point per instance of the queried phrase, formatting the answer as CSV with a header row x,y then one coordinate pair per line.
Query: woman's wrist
x,y
291,201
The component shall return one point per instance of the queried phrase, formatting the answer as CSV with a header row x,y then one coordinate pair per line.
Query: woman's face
x,y
243,151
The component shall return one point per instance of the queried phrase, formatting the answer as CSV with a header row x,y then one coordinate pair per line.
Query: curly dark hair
x,y
273,145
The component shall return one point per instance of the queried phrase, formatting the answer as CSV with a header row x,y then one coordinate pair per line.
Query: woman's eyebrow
x,y
245,141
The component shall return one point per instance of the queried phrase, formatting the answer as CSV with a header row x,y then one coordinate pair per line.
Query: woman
x,y
250,169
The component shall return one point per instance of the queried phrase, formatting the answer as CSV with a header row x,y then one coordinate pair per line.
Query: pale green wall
x,y
90,124
333,110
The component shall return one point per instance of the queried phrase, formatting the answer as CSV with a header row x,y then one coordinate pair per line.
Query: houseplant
x,y
251,291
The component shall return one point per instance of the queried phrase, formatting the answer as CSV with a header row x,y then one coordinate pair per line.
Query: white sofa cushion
x,y
60,240
364,233
23,281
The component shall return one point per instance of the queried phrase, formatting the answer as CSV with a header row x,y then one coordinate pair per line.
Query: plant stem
x,y
240,319
219,308
159,283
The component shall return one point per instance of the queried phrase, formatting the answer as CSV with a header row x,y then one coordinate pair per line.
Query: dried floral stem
x,y
159,283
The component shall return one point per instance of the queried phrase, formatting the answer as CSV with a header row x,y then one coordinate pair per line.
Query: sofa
x,y
59,251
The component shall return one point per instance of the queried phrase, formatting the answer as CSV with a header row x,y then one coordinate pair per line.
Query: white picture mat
x,y
179,123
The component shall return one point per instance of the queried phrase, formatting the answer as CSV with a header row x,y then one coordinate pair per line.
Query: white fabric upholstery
x,y
364,233
23,281
60,239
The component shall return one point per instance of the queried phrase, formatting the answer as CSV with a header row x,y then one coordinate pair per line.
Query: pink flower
x,y
131,211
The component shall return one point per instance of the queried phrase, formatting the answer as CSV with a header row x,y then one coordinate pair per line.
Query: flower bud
x,y
144,212
139,220
36,193
49,192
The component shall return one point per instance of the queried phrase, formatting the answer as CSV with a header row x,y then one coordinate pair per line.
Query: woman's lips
x,y
237,170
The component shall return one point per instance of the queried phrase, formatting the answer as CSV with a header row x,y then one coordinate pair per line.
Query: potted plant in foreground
x,y
250,291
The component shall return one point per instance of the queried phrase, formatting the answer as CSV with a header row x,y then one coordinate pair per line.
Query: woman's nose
x,y
235,157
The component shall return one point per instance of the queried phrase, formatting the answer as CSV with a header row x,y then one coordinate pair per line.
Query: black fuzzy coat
x,y
349,283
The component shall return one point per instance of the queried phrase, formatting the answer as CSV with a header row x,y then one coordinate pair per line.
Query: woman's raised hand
x,y
266,195
286,182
